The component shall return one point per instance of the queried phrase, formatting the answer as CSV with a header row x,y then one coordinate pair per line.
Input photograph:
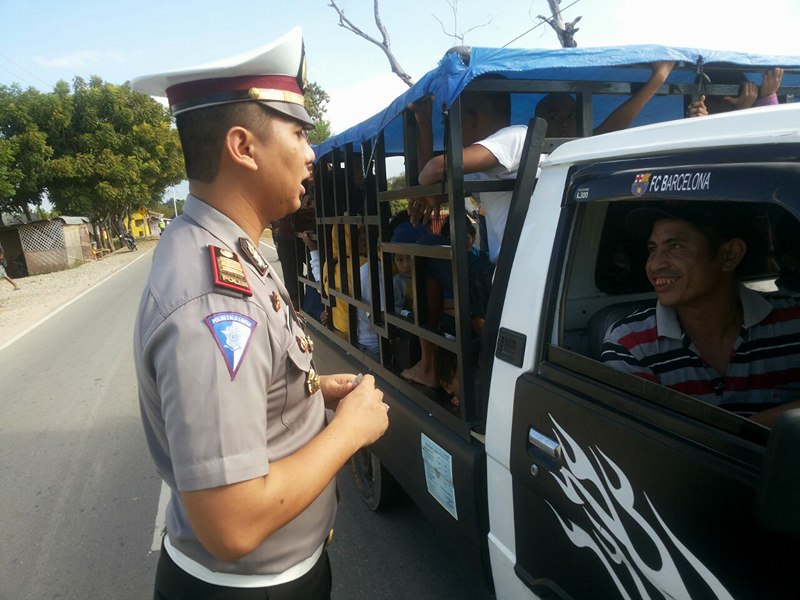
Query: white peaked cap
x,y
273,75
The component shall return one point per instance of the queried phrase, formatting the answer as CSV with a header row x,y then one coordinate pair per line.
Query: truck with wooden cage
x,y
556,474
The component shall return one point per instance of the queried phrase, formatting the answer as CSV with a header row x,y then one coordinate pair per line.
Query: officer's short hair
x,y
203,131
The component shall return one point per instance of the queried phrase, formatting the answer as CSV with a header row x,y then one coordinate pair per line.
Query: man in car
x,y
708,336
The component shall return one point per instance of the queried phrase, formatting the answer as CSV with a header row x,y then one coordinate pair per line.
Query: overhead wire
x,y
16,75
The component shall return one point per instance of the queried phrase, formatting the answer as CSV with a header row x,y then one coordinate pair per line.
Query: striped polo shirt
x,y
764,370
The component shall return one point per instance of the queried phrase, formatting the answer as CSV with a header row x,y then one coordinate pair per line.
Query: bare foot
x,y
422,374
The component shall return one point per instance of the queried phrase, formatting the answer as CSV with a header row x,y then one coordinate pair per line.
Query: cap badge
x,y
228,271
253,255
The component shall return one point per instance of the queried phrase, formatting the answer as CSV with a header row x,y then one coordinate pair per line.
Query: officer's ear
x,y
733,252
239,147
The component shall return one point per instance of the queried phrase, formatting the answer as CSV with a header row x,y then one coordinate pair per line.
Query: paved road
x,y
79,496
79,492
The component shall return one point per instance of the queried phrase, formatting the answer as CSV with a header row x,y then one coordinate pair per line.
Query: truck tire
x,y
375,484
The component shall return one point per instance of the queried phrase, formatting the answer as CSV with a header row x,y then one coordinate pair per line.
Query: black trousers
x,y
173,583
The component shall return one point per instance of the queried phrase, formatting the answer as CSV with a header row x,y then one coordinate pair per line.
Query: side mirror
x,y
778,501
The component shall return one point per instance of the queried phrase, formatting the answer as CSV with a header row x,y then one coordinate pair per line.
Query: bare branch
x,y
447,33
347,24
458,36
376,9
489,22
385,45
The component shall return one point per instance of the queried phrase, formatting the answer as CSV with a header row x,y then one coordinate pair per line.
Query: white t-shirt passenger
x,y
506,145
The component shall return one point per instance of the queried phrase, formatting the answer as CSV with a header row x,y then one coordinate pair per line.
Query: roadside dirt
x,y
40,295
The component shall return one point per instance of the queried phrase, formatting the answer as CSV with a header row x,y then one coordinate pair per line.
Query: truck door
x,y
623,487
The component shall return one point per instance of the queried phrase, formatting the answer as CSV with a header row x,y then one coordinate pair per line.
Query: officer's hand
x,y
336,387
364,412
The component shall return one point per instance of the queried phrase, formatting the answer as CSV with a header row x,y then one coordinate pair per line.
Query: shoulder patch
x,y
232,332
228,271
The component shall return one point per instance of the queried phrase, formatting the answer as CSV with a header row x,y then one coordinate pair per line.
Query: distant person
x,y
750,96
3,274
708,336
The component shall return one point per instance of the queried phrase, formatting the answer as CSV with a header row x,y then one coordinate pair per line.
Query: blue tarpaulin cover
x,y
607,64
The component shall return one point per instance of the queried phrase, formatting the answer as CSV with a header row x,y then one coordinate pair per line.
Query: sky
x,y
44,41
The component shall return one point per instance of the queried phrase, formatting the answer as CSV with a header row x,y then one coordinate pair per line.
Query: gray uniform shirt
x,y
222,385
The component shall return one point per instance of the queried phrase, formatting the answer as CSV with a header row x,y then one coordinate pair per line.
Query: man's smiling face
x,y
681,265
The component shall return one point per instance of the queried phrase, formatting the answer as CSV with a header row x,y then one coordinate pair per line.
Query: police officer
x,y
233,410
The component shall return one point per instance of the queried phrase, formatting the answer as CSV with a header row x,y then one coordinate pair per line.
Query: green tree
x,y
24,150
394,183
115,151
10,176
316,100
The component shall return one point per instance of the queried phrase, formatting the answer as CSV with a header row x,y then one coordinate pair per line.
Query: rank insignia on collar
x,y
253,255
228,271
276,301
302,343
312,382
310,344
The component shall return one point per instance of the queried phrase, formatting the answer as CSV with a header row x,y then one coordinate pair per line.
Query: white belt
x,y
195,569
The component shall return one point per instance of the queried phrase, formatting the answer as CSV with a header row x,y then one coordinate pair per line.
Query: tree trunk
x,y
564,31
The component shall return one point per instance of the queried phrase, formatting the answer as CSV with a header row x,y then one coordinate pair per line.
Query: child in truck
x,y
404,233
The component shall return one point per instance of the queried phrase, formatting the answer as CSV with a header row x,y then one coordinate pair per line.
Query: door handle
x,y
545,449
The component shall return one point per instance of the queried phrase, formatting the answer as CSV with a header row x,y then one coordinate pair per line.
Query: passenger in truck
x,y
404,233
709,336
492,150
561,111
750,94
339,312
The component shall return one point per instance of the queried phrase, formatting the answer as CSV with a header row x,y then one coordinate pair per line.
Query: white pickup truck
x,y
557,474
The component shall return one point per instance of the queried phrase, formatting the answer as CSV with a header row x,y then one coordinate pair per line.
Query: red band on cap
x,y
183,92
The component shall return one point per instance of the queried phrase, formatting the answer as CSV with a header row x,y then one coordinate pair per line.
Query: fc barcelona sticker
x,y
232,332
640,184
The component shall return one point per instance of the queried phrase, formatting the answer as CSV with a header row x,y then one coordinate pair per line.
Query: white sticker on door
x,y
439,474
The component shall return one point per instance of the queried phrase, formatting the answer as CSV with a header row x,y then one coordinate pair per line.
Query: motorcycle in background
x,y
128,239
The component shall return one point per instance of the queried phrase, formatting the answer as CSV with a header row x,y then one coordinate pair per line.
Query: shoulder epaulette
x,y
228,271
